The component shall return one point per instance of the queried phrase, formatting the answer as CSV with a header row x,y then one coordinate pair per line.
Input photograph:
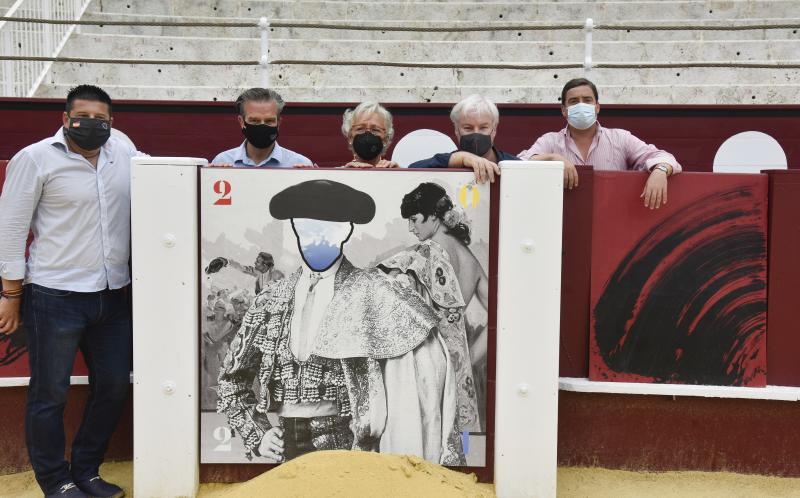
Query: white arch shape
x,y
421,144
749,152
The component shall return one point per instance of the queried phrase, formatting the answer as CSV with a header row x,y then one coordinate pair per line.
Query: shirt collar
x,y
600,129
241,156
323,274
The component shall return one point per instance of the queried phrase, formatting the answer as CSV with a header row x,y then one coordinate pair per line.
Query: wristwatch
x,y
662,167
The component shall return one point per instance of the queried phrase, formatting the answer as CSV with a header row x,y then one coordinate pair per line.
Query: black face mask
x,y
260,136
476,143
367,145
90,135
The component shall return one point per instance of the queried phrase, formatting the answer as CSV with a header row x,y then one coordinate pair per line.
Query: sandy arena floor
x,y
572,482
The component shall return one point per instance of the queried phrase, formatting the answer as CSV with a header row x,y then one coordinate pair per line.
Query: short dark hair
x,y
87,92
258,95
576,82
430,199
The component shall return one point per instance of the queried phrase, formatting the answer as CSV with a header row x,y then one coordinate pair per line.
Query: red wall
x,y
783,351
203,129
576,277
593,429
660,433
13,453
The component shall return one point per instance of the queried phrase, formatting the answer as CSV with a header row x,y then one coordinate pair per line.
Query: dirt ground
x,y
572,483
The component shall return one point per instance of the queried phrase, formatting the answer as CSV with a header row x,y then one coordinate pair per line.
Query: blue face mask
x,y
581,116
320,242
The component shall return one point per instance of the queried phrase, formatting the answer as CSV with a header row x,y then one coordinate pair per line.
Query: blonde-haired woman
x,y
369,131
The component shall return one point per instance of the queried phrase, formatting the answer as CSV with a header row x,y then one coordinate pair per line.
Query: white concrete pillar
x,y
528,313
263,62
164,222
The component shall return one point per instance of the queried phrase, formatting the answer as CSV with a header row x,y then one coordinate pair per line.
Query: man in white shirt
x,y
259,116
72,191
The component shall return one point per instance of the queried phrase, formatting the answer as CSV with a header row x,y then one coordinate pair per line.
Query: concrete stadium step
x,y
91,45
503,35
328,82
444,11
610,94
341,75
240,49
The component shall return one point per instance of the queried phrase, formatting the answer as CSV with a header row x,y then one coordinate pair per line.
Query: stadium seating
x,y
319,81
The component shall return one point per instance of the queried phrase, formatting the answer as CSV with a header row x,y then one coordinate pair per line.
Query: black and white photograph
x,y
343,310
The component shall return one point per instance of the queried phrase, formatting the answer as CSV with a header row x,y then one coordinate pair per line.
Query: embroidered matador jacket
x,y
400,384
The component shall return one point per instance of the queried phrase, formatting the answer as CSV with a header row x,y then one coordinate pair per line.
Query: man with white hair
x,y
475,119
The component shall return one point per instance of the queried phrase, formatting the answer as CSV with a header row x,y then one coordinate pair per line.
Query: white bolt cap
x,y
527,245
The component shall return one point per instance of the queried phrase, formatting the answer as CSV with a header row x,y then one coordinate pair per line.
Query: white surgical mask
x,y
581,116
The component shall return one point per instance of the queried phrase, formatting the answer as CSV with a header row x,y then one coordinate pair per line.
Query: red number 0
x,y
223,188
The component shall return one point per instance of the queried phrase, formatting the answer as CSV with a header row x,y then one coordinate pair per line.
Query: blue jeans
x,y
58,323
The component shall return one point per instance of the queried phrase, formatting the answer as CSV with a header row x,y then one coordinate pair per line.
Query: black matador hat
x,y
323,200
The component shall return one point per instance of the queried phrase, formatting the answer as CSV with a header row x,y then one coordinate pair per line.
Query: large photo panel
x,y
679,295
343,309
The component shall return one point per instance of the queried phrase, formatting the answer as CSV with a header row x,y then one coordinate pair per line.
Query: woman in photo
x,y
448,276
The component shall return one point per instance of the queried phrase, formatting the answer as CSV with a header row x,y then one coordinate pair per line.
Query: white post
x,y
164,221
528,313
263,25
587,58
8,66
78,7
48,39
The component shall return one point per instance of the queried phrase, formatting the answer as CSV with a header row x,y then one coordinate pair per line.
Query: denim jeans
x,y
58,324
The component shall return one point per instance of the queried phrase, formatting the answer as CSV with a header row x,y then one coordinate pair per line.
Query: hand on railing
x,y
655,190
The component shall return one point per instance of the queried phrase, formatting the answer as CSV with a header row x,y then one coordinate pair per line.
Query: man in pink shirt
x,y
585,142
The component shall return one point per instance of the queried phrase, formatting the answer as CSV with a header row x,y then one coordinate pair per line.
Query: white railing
x,y
588,26
20,78
263,26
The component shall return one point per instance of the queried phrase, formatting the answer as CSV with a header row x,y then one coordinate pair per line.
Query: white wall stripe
x,y
775,393
581,385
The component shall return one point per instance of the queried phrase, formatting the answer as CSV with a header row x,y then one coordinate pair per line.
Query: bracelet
x,y
11,294
10,297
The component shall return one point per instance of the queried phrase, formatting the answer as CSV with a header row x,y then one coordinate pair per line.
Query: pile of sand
x,y
356,474
375,478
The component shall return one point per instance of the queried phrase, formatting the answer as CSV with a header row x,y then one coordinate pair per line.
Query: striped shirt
x,y
612,149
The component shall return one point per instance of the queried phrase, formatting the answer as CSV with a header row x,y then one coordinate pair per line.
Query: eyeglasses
x,y
375,130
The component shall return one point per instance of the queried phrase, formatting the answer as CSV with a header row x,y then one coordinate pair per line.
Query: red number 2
x,y
223,188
